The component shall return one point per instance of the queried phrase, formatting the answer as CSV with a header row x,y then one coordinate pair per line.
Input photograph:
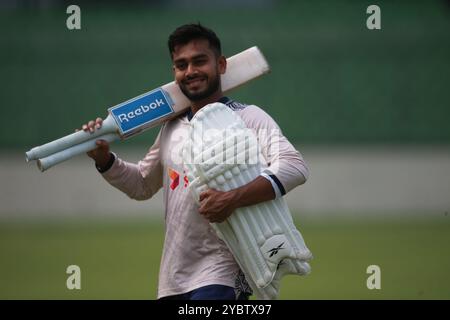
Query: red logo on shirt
x,y
186,181
175,178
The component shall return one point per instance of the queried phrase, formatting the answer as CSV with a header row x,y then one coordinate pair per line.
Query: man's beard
x,y
198,96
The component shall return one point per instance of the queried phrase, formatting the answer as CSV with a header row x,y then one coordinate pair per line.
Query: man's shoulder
x,y
249,111
241,106
245,110
253,115
235,105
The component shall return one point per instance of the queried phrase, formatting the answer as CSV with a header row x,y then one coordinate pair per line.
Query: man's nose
x,y
191,70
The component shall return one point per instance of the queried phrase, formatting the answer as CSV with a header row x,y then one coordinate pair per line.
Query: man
x,y
195,263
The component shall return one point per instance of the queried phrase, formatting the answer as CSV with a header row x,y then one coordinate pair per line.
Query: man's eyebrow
x,y
198,56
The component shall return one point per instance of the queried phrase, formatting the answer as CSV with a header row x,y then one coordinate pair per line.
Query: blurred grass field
x,y
119,259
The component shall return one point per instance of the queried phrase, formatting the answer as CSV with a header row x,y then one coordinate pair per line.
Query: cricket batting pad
x,y
222,154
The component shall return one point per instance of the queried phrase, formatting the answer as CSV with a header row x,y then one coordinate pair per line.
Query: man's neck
x,y
197,105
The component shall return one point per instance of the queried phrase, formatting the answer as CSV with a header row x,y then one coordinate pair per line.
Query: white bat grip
x,y
108,126
58,157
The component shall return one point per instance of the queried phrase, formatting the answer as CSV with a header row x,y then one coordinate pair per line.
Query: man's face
x,y
197,69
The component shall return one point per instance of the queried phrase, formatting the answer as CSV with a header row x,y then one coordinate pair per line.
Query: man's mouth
x,y
194,82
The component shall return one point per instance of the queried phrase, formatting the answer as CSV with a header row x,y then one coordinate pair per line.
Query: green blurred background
x,y
332,81
334,84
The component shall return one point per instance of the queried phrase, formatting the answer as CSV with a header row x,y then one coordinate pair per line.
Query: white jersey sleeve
x,y
139,181
285,165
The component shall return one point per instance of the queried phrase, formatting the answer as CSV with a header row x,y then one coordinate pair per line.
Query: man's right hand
x,y
101,154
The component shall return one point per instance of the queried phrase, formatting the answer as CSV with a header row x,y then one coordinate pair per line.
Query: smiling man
x,y
195,263
197,66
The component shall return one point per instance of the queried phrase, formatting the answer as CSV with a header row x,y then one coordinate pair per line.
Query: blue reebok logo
x,y
135,113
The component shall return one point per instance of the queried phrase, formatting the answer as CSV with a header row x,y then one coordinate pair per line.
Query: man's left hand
x,y
216,206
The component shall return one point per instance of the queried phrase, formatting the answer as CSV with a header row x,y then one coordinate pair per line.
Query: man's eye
x,y
181,66
200,62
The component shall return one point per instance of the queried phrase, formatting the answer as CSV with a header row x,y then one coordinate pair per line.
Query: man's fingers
x,y
101,143
91,125
203,208
204,195
98,123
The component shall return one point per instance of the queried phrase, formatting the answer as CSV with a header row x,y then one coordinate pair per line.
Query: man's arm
x,y
138,181
286,168
216,206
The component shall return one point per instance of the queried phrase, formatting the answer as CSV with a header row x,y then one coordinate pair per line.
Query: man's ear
x,y
222,64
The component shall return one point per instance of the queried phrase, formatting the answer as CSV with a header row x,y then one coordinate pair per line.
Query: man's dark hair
x,y
188,32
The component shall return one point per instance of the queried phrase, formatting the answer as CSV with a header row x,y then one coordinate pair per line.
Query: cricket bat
x,y
148,110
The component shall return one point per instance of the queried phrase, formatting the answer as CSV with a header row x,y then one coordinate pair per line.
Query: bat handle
x,y
108,126
58,157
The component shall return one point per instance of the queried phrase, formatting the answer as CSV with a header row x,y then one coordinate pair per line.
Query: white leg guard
x,y
262,237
